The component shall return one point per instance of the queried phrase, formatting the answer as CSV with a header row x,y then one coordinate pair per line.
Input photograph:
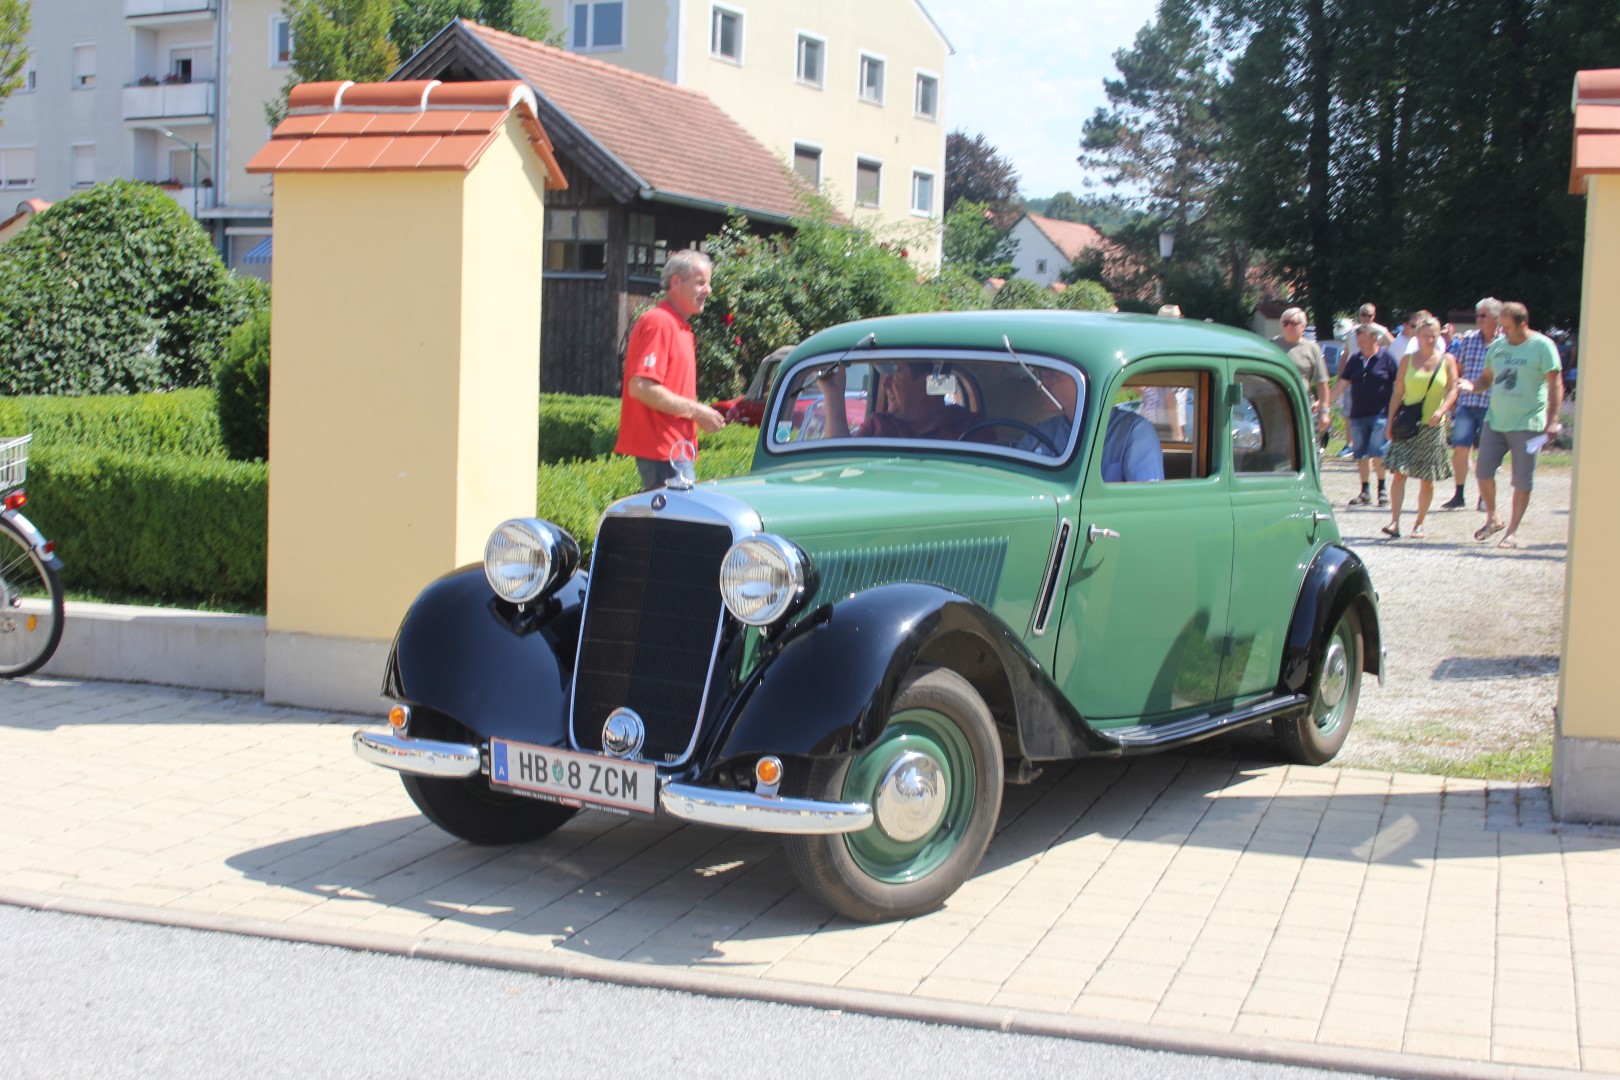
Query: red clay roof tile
x,y
1069,237
676,140
406,125
1597,127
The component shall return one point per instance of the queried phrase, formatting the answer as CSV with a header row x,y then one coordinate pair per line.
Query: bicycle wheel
x,y
30,606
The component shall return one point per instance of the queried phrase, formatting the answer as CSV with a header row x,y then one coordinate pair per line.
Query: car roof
x,y
1094,341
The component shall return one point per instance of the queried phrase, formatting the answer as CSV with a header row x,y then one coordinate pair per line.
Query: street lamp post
x,y
196,152
1167,244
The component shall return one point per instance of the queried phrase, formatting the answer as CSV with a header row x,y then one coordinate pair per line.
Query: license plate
x,y
573,778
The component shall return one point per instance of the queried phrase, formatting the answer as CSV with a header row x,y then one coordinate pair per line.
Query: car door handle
x,y
1093,534
1317,517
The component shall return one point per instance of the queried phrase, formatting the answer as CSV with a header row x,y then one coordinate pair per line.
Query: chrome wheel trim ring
x,y
1335,675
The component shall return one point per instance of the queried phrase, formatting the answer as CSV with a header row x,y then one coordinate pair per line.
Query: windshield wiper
x,y
1036,379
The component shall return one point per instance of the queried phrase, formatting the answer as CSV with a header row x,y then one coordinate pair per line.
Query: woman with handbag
x,y
1426,386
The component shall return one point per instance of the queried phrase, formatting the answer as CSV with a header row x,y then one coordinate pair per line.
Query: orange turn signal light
x,y
768,771
399,716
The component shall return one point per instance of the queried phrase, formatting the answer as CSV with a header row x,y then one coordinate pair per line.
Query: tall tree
x,y
336,39
416,21
15,21
976,171
975,244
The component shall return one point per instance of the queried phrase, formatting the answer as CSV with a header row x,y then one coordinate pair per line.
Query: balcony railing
x,y
193,200
137,9
168,101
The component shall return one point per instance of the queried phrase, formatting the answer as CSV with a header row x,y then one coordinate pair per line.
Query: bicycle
x,y
30,582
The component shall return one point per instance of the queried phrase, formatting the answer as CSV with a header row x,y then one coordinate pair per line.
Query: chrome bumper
x,y
705,806
423,757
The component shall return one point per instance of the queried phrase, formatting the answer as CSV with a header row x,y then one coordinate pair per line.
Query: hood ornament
x,y
683,457
623,733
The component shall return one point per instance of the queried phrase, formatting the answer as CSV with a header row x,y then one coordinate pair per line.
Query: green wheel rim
x,y
922,731
1331,699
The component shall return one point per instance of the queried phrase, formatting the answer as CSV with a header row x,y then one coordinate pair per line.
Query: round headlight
x,y
525,557
762,578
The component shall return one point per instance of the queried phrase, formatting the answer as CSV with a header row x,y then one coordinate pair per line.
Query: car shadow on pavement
x,y
665,893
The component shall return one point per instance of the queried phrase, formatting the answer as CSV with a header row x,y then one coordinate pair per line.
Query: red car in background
x,y
750,407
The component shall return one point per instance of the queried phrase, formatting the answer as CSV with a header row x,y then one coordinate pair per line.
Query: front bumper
x,y
743,810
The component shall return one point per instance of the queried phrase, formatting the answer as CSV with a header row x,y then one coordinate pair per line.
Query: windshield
x,y
1021,407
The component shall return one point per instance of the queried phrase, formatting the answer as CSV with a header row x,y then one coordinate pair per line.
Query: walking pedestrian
x,y
1523,375
1308,359
659,409
1428,376
1369,379
1468,422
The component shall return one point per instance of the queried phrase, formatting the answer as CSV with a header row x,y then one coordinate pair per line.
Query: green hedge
x,y
577,428
180,422
182,528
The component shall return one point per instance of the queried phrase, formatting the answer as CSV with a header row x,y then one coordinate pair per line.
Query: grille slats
x,y
649,634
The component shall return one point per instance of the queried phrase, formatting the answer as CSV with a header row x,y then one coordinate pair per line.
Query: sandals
x,y
1488,530
1391,531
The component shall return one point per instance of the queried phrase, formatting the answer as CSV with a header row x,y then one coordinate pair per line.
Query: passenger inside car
x,y
1130,450
912,404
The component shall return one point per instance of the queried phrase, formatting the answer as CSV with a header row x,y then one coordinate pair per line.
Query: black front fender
x,y
825,688
482,662
1336,580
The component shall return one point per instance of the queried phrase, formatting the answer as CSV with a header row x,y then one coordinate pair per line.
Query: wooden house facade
x,y
651,168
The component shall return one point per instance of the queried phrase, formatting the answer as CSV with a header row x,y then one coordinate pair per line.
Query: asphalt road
x,y
94,997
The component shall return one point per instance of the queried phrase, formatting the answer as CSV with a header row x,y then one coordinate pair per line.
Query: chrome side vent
x,y
1049,584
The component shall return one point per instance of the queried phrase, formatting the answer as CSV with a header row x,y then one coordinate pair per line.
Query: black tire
x,y
873,876
470,810
1314,736
27,639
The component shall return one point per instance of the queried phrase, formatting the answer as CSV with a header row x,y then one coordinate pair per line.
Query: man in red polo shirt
x,y
659,406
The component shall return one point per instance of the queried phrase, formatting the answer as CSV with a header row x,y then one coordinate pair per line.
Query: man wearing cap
x,y
1468,419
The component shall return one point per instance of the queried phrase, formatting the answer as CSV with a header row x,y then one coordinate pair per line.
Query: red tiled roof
x,y
353,127
675,140
1070,237
24,209
1597,127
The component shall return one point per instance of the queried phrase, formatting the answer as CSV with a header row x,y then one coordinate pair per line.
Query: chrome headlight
x,y
764,578
526,558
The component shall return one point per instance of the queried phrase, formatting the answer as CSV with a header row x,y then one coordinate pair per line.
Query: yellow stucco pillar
x,y
1586,747
405,343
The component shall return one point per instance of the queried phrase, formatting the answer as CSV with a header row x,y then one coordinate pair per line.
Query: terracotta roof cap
x,y
425,124
1596,101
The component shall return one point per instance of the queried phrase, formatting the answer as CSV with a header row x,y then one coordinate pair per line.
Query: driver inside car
x,y
1131,450
909,410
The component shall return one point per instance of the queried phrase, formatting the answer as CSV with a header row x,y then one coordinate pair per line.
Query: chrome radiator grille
x,y
651,622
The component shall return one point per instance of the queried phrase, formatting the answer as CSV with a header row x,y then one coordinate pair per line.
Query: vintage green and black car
x,y
970,544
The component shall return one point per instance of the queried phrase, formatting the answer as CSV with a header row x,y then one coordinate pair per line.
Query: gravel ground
x,y
1473,632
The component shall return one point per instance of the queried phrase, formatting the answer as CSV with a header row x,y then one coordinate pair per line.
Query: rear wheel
x,y
1315,735
469,810
30,606
933,779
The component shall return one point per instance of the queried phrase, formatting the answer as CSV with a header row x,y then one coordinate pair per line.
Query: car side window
x,y
1265,436
1157,429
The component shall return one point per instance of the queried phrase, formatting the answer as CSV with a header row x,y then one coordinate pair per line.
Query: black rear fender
x,y
1336,581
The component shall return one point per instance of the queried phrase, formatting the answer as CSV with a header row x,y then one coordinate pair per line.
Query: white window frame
x,y
878,164
923,174
798,60
30,81
73,163
6,182
276,23
591,44
78,78
193,47
916,95
883,78
715,11
821,159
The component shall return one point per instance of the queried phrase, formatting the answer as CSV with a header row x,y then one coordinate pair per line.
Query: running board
x,y
1145,737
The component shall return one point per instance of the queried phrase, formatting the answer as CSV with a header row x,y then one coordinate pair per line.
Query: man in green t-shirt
x,y
1523,374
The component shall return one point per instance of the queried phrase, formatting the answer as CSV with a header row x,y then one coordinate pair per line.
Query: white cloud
x,y
1028,77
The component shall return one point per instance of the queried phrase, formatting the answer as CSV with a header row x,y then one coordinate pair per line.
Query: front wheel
x,y
933,779
30,606
1315,735
470,810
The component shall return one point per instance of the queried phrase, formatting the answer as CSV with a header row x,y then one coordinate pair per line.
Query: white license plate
x,y
573,778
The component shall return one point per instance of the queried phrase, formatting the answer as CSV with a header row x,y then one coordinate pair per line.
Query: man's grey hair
x,y
685,263
1291,312
1170,311
1490,306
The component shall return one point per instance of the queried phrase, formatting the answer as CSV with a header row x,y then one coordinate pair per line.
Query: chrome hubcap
x,y
911,797
1335,675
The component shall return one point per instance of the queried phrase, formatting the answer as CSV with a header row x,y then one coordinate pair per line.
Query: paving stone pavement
x,y
1336,907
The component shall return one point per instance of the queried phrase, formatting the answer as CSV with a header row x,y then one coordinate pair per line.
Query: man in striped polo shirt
x,y
1468,419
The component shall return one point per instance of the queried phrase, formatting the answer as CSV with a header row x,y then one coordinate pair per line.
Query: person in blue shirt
x,y
1131,450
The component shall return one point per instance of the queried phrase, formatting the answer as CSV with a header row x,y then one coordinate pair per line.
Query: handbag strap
x,y
1437,366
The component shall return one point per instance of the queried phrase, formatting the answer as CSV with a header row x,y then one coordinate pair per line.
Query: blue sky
x,y
1028,74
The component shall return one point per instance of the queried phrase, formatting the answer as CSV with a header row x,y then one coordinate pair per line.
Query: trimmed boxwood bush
x,y
576,427
182,528
181,422
242,389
